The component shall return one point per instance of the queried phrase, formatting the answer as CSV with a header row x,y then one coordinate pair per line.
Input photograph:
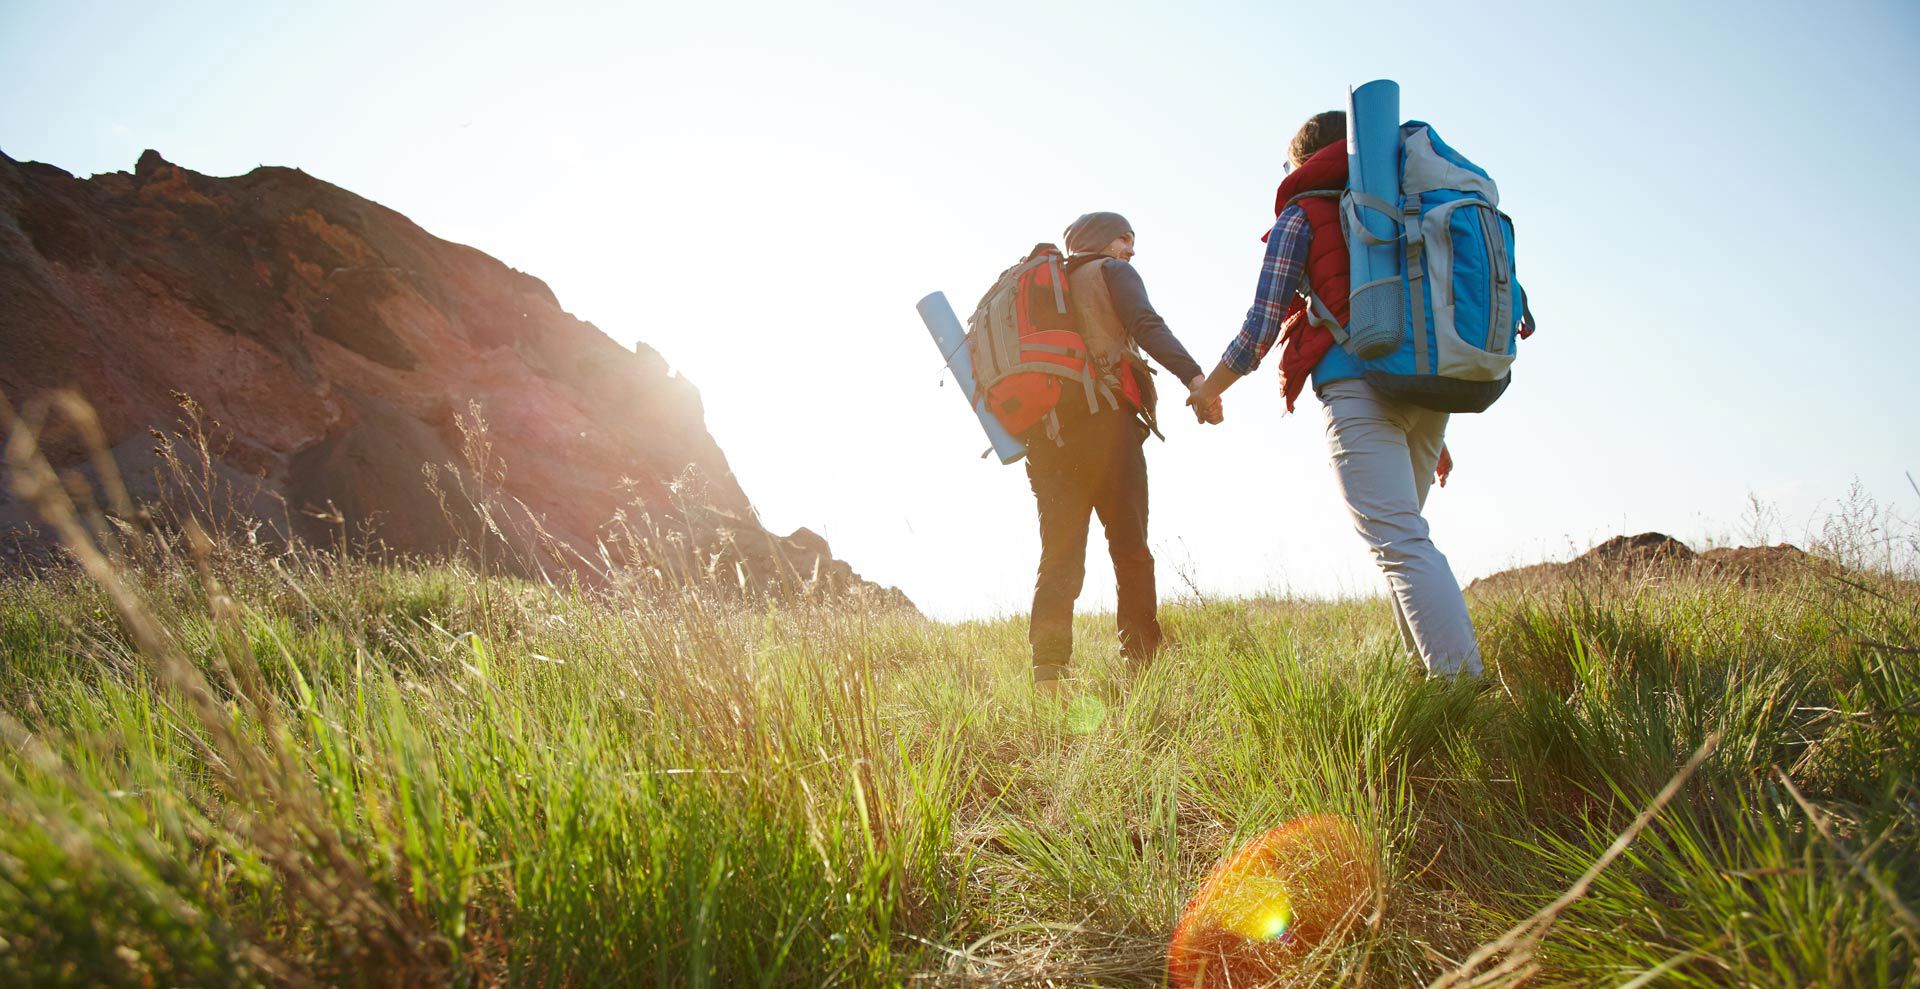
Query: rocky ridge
x,y
342,348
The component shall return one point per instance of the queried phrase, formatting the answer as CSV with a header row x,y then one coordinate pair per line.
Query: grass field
x,y
226,765
323,772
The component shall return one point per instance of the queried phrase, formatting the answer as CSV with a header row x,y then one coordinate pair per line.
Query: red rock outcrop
x,y
339,344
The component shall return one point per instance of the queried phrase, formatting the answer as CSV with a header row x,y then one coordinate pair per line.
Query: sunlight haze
x,y
1711,203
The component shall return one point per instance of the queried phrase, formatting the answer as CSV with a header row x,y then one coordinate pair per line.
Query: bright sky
x,y
1714,213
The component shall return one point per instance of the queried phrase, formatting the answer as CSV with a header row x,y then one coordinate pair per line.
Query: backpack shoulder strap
x,y
1311,194
1317,312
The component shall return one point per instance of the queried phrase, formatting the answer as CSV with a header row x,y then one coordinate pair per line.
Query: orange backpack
x,y
1025,345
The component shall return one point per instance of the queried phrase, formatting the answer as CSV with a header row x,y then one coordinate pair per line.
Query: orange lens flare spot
x,y
1270,902
1256,908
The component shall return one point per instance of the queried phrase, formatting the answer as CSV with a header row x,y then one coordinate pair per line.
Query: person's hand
x,y
1444,468
1206,404
1208,411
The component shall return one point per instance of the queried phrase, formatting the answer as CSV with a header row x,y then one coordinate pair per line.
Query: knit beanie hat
x,y
1093,232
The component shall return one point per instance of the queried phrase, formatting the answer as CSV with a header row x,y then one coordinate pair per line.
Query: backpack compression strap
x,y
1095,390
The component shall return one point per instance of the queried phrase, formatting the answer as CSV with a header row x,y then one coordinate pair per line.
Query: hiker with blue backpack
x,y
1429,331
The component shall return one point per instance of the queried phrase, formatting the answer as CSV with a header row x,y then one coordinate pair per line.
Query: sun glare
x,y
1297,886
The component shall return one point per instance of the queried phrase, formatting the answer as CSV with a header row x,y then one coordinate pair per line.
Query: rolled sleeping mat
x,y
951,338
1377,305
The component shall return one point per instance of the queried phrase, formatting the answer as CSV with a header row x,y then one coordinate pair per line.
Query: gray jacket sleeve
x,y
1143,324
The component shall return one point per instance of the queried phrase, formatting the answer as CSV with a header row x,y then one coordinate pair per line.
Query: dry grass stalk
x,y
1515,949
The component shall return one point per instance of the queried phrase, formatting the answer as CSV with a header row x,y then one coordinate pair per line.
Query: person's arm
x,y
1216,385
1279,279
1130,303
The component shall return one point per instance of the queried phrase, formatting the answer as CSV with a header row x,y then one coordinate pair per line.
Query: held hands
x,y
1206,404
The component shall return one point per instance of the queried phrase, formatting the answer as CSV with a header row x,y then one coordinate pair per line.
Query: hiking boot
x,y
1048,679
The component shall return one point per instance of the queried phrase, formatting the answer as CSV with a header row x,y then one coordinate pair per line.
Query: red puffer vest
x,y
1303,343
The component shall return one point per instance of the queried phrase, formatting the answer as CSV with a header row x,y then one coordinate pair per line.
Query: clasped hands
x,y
1205,401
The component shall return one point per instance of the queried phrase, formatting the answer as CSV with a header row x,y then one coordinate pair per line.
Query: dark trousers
x,y
1100,469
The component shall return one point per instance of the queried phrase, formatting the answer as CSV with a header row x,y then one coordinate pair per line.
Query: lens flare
x,y
1085,714
1267,904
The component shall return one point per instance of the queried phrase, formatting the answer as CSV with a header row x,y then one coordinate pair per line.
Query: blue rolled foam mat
x,y
1377,309
951,338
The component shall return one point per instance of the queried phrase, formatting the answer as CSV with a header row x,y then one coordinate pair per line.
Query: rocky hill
x,y
340,347
1654,555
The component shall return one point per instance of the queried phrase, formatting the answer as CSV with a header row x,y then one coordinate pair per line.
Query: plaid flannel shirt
x,y
1279,279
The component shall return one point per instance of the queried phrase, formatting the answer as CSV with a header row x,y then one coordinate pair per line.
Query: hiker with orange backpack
x,y
1386,409
1085,453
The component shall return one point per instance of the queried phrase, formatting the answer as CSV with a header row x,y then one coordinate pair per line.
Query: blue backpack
x,y
1459,310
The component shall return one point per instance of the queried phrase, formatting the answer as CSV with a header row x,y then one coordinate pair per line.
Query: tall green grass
x,y
226,764
583,788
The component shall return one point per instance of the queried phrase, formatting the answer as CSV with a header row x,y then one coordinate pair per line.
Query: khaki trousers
x,y
1384,453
